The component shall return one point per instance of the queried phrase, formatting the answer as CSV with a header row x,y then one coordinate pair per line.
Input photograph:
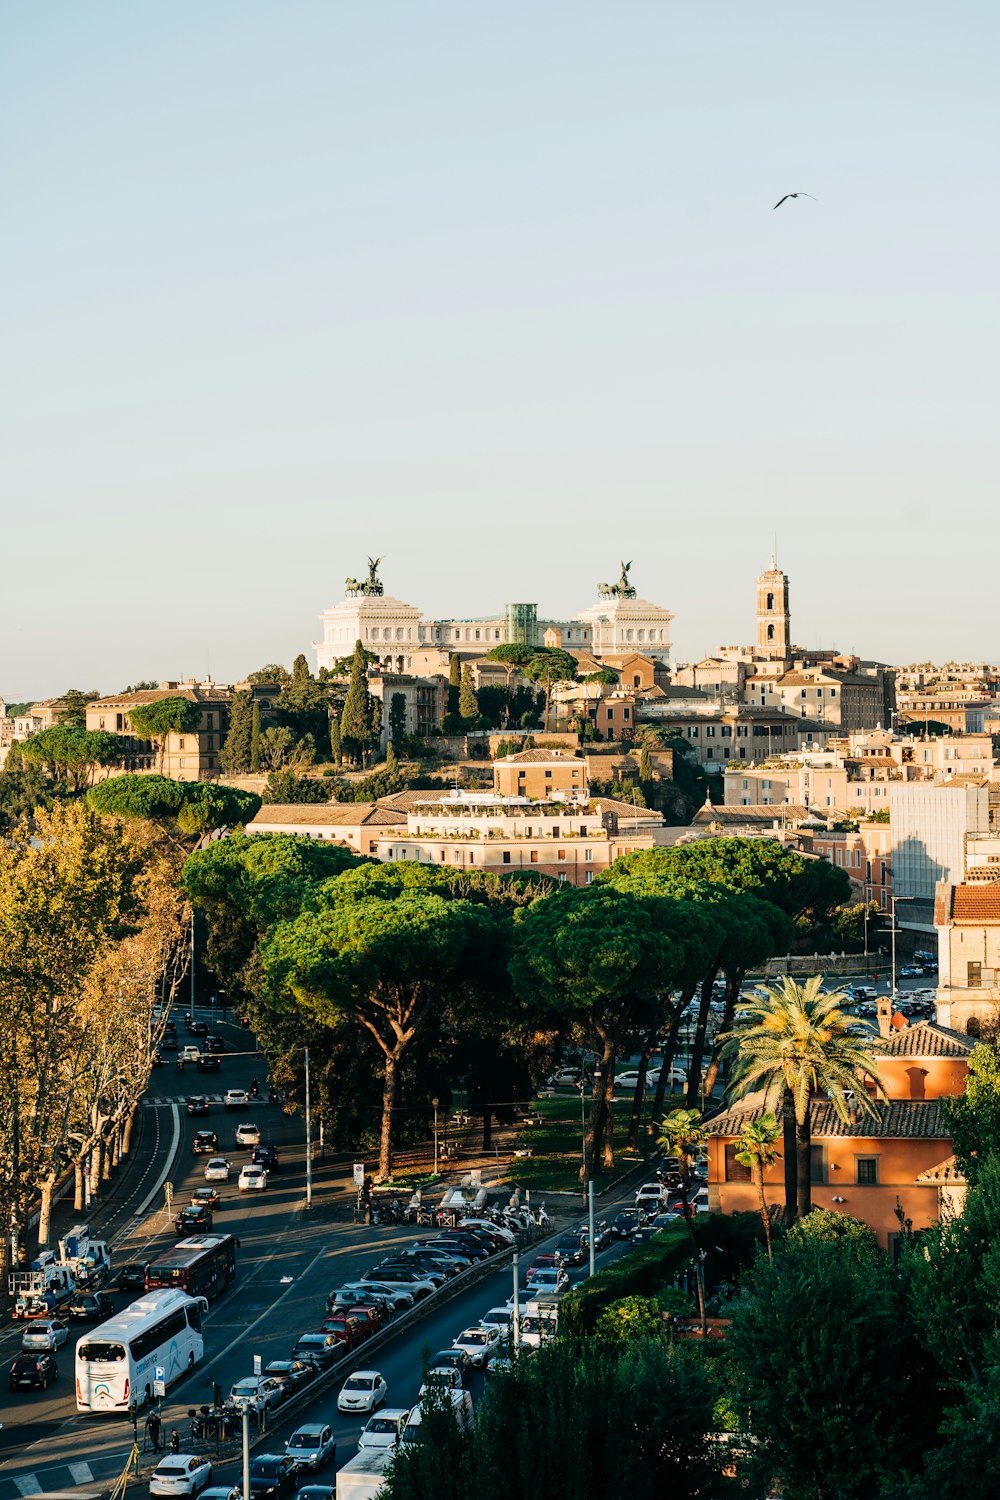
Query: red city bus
x,y
202,1266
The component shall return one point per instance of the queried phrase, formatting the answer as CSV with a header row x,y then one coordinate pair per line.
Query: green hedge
x,y
729,1240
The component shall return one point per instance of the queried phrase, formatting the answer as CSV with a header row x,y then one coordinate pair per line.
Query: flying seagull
x,y
793,195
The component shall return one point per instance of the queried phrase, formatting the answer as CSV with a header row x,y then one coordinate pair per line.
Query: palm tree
x,y
683,1133
798,1042
755,1149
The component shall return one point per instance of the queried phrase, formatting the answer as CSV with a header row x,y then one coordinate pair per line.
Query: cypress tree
x,y
356,720
255,738
391,763
454,682
336,752
397,718
468,703
234,756
645,765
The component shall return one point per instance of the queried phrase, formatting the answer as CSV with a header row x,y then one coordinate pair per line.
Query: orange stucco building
x,y
866,1166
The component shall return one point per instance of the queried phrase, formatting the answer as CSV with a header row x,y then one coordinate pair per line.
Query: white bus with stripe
x,y
116,1363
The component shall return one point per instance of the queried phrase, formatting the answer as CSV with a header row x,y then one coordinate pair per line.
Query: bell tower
x,y
773,624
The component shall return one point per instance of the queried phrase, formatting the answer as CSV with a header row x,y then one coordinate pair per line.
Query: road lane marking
x,y
168,1165
82,1473
27,1484
202,1369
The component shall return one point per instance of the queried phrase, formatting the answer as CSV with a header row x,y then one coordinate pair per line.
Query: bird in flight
x,y
793,195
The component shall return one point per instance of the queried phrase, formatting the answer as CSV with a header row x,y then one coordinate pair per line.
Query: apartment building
x,y
193,755
967,919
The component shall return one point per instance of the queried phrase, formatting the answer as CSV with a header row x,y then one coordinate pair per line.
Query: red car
x,y
541,1263
345,1329
369,1319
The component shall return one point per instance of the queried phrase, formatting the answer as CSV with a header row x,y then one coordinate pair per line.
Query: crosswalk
x,y
58,1483
155,1100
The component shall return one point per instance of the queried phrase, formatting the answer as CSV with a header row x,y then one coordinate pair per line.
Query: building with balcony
x,y
967,919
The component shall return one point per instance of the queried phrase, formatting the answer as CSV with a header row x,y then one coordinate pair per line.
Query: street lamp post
x,y
583,1142
309,1149
894,900
435,1103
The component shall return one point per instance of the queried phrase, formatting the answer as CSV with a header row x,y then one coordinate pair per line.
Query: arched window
x,y
972,1027
770,601
770,632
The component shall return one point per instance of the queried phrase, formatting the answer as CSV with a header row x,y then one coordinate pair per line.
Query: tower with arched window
x,y
773,627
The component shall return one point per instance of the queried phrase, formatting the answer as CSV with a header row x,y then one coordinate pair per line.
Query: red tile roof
x,y
976,903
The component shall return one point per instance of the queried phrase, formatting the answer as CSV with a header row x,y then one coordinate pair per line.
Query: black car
x,y
197,1219
169,1042
293,1373
90,1307
205,1142
214,1043
320,1349
452,1359
624,1225
205,1197
569,1249
132,1276
195,1028
209,1062
271,1476
266,1157
32,1371
197,1104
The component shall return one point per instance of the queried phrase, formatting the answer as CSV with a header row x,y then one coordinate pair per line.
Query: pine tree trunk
x,y
608,1153
390,1088
78,1199
734,983
640,1093
698,1050
127,1135
95,1169
45,1213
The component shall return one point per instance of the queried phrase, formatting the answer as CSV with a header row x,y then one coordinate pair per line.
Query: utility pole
x,y
309,1151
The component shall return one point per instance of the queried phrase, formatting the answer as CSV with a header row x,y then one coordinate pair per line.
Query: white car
x,y
507,1235
311,1445
258,1392
384,1430
252,1178
181,1474
236,1099
45,1333
498,1317
398,1298
549,1282
217,1170
363,1391
190,1055
248,1135
479,1343
650,1195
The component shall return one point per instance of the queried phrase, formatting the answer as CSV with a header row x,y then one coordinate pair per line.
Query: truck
x,y
539,1321
48,1283
362,1476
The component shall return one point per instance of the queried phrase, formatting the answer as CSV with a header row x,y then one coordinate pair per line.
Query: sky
x,y
497,293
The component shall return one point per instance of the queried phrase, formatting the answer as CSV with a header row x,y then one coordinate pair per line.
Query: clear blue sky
x,y
496,292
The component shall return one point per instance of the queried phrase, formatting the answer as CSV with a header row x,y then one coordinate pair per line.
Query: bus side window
x,y
194,1318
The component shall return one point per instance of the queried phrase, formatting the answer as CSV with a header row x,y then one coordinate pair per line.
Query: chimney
x,y
884,1013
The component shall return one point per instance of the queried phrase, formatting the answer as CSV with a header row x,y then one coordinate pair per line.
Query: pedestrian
x,y
153,1430
175,1440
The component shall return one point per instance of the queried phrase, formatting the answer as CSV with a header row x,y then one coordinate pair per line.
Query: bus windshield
x,y
96,1351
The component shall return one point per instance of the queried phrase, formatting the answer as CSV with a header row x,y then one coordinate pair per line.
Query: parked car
x,y
197,1104
272,1476
434,1272
363,1391
248,1134
206,1197
257,1392
45,1333
383,1431
195,1219
370,1318
217,1170
132,1276
236,1099
90,1307
266,1157
294,1374
316,1492
321,1348
181,1474
252,1179
401,1280
362,1294
311,1446
910,971
498,1231
479,1343
33,1371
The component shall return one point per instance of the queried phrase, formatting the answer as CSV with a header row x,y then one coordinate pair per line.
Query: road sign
x,y
159,1381
258,1364
168,1193
359,1174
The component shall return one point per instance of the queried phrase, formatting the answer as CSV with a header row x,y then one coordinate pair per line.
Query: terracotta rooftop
x,y
319,814
757,812
924,1039
945,1173
976,903
900,1119
539,757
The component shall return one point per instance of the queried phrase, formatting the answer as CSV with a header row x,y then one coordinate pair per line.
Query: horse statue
x,y
372,585
353,586
620,590
606,590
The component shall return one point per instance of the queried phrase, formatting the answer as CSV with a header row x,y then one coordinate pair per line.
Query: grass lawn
x,y
556,1145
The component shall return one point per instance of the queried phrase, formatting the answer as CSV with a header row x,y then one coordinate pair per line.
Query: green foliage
x,y
273,675
630,1318
576,1421
164,716
824,1371
336,749
255,739
286,787
71,753
195,807
210,805
397,720
391,763
645,764
304,705
23,789
146,685
973,1118
72,710
357,722
16,710
234,756
822,1227
468,703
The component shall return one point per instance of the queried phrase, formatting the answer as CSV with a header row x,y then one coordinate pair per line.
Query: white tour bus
x,y
116,1363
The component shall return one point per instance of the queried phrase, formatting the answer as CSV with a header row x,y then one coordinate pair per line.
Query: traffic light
x,y
133,1412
